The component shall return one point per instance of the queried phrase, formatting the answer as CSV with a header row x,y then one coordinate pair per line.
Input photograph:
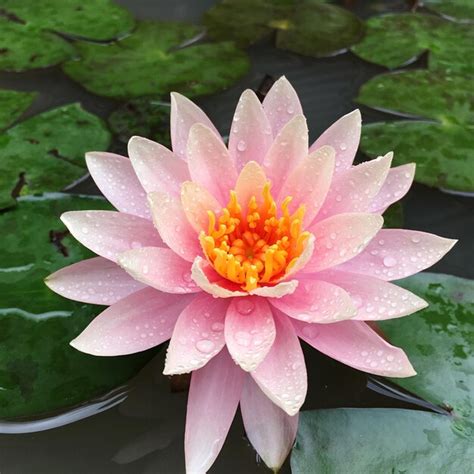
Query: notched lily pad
x,y
46,152
395,40
442,144
308,27
39,371
157,58
12,105
457,10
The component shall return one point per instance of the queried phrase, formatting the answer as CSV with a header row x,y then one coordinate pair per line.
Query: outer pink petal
x,y
249,331
355,344
270,430
213,399
250,182
288,150
375,299
109,233
138,322
209,162
398,253
397,184
281,104
96,281
198,335
354,189
317,302
282,374
251,133
159,268
173,226
344,137
196,201
184,114
115,177
341,237
157,168
309,182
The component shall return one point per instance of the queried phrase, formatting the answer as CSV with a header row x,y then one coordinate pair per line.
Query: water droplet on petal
x,y
217,327
389,262
241,145
205,346
245,306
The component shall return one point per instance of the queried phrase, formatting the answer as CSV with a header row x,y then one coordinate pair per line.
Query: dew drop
x,y
245,306
241,145
309,331
389,262
217,327
205,346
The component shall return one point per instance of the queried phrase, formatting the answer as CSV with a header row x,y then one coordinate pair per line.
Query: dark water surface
x,y
144,433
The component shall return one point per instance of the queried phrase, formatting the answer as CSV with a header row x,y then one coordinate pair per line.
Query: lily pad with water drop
x,y
12,105
156,58
39,371
442,143
395,40
457,10
46,152
440,343
308,27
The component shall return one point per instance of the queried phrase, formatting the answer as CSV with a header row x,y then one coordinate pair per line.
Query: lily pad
x,y
39,371
442,145
12,105
308,27
144,117
395,40
46,152
157,58
457,10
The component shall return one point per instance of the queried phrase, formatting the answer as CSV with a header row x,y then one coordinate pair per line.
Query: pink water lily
x,y
236,251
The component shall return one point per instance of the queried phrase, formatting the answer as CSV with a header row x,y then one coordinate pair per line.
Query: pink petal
x,y
398,253
209,162
184,114
198,335
341,237
355,344
282,374
344,137
140,321
159,268
96,281
276,291
109,233
249,331
375,299
397,184
250,182
270,430
157,168
251,134
117,181
173,226
317,302
304,258
281,104
354,189
196,202
309,182
212,402
288,150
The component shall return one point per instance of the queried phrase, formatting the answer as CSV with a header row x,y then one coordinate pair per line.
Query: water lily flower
x,y
235,252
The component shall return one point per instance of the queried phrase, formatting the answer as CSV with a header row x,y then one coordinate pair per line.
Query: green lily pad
x,y
144,117
12,105
395,40
457,10
39,371
308,27
440,343
393,216
442,145
155,60
46,152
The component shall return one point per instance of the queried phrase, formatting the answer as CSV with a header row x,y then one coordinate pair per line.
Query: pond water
x,y
144,433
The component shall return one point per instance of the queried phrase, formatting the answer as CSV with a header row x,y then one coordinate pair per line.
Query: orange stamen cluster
x,y
255,247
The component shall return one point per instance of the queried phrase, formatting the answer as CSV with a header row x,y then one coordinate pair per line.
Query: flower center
x,y
255,247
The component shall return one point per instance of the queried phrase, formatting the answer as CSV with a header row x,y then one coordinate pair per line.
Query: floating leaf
x,y
46,152
308,27
12,105
144,117
153,61
442,146
458,10
395,40
39,371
